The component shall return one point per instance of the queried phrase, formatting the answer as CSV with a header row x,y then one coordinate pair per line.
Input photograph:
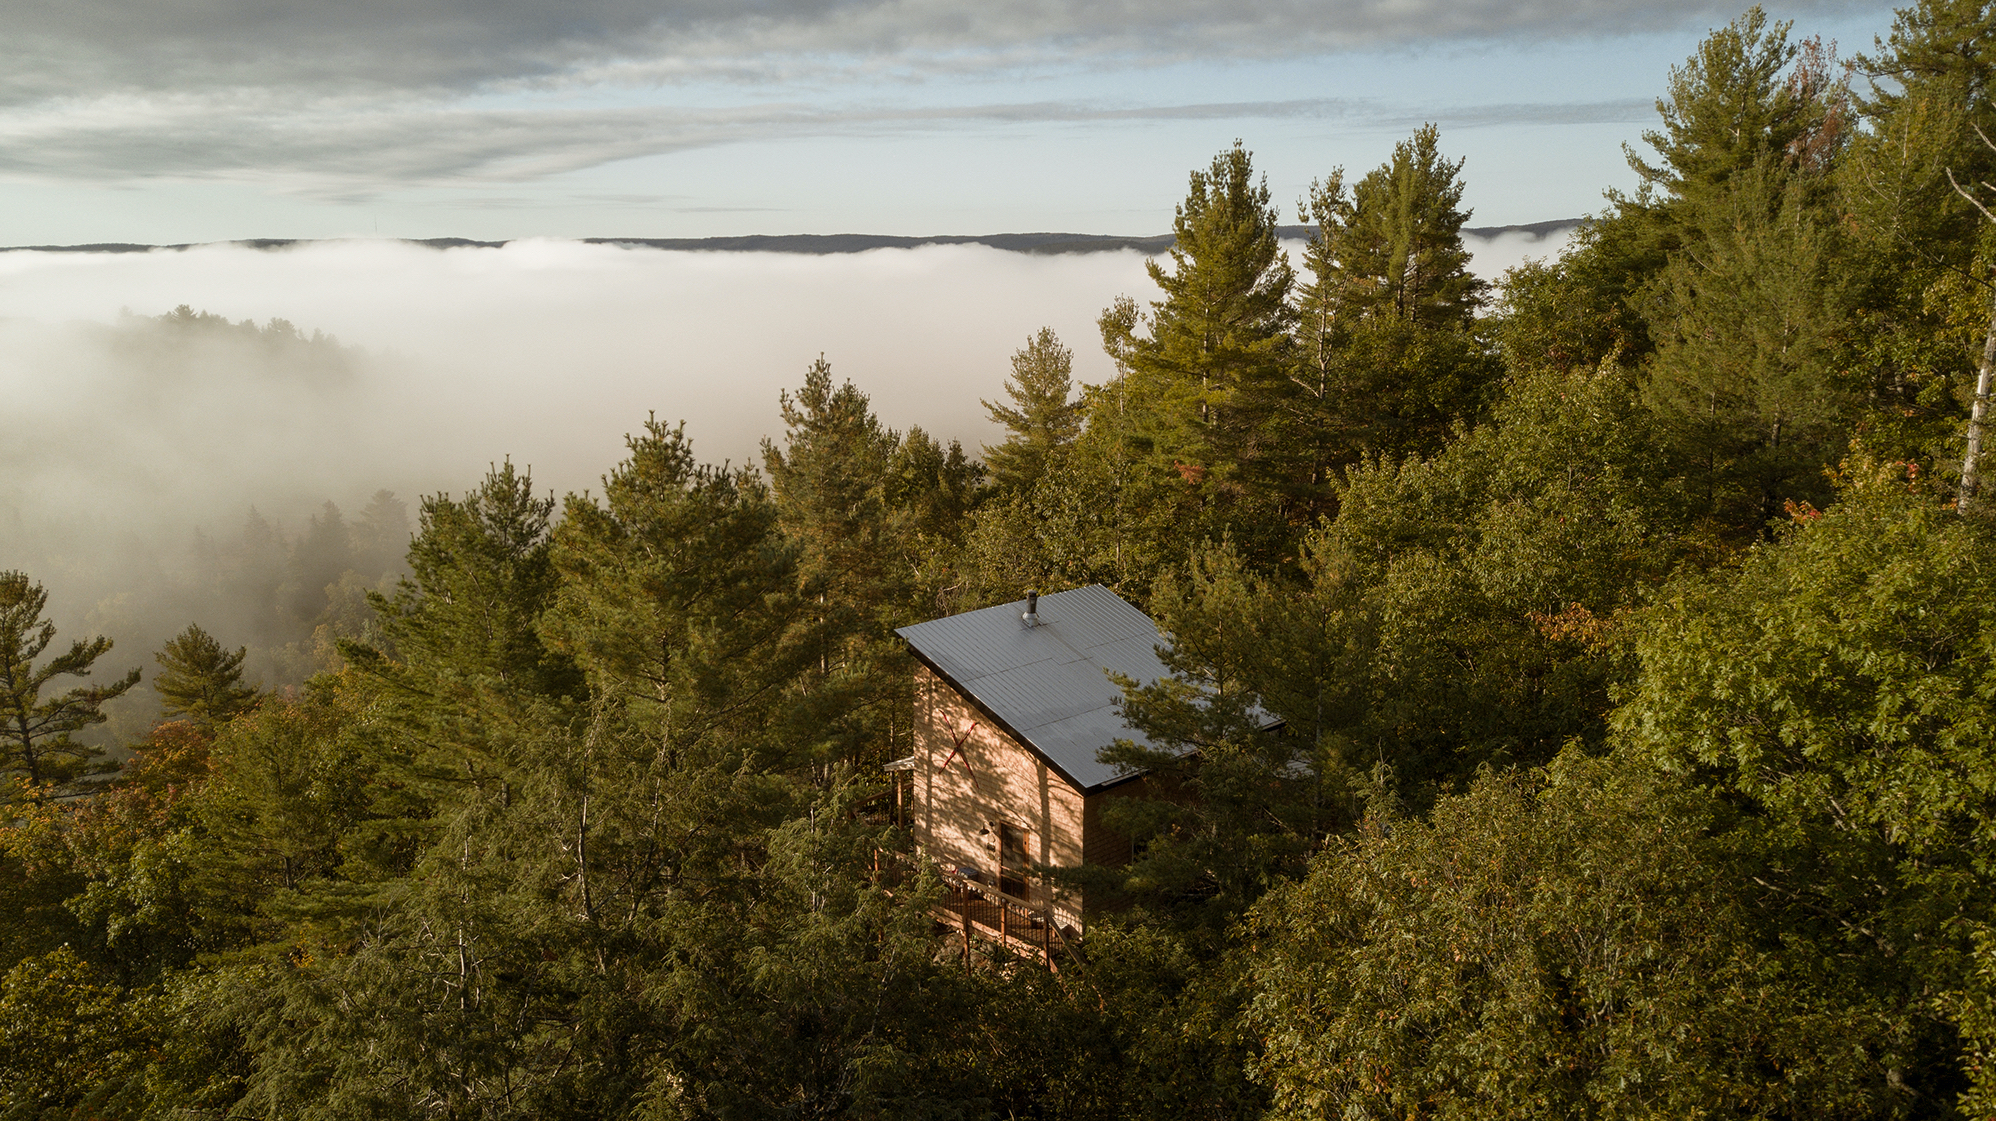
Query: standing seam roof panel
x,y
1050,683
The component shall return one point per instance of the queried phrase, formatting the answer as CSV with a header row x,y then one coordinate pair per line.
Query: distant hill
x,y
818,244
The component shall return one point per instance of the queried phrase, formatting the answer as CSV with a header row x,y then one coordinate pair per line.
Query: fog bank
x,y
136,448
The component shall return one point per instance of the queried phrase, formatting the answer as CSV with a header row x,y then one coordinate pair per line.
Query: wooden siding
x,y
971,777
1101,844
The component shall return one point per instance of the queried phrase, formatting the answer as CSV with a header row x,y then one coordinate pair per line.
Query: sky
x,y
203,120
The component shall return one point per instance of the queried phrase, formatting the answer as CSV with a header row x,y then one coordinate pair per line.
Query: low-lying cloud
x,y
136,448
124,437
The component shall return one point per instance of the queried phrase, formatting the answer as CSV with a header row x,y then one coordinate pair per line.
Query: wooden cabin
x,y
1013,703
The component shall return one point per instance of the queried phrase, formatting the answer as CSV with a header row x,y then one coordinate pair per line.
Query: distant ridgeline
x,y
1042,243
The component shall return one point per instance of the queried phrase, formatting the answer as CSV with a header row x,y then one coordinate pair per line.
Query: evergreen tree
x,y
828,479
482,574
319,557
830,482
1751,328
1221,329
679,597
1386,360
1727,107
200,680
381,536
932,489
38,746
1185,427
1041,422
1393,250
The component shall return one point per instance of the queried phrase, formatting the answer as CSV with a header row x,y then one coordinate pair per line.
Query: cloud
x,y
348,147
349,98
65,47
124,436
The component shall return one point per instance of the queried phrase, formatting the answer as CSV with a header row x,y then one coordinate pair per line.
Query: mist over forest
x,y
174,465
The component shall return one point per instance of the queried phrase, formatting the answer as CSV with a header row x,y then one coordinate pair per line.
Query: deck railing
x,y
973,909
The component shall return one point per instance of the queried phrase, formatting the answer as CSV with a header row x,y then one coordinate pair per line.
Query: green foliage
x,y
1748,376
1222,326
827,479
1844,672
679,600
1042,421
933,489
1837,687
200,680
1229,806
1468,603
1975,1011
482,574
1729,107
1386,361
1556,944
38,746
1182,429
1510,764
1394,249
64,1032
855,501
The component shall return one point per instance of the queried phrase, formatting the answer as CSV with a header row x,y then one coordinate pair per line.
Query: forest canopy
x,y
1622,622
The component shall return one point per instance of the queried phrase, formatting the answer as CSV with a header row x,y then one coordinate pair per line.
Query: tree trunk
x,y
1965,499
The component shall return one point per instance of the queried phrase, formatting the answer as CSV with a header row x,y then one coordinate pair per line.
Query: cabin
x,y
1012,704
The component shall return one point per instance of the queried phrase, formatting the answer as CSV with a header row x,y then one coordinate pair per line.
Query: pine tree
x,y
1912,185
931,488
319,557
830,482
679,599
828,479
37,733
1386,360
482,575
1730,106
1041,422
1747,379
200,680
1222,327
1394,249
381,536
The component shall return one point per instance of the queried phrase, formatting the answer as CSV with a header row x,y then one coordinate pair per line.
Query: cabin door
x,y
1015,861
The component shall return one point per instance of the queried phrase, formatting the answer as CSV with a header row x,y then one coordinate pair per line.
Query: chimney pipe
x,y
1032,615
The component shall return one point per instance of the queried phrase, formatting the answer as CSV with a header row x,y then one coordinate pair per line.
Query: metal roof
x,y
1049,685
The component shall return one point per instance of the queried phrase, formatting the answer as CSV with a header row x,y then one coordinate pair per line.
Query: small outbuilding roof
x,y
1048,685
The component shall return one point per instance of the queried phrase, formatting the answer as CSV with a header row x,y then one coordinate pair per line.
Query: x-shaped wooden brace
x,y
961,738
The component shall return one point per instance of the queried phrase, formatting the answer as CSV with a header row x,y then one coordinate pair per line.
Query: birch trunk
x,y
1970,462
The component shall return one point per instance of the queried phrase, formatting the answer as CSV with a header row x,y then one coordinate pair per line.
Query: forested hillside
x,y
1626,619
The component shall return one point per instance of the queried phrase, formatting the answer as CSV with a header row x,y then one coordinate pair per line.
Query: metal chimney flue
x,y
1032,615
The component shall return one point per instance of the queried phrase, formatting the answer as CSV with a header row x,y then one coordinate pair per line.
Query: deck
x,y
981,911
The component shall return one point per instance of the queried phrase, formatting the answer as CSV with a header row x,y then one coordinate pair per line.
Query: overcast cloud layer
x,y
69,47
344,99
